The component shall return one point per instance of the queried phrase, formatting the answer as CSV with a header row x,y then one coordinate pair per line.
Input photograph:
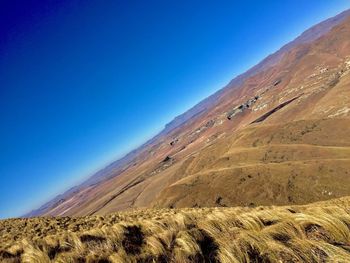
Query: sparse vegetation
x,y
318,232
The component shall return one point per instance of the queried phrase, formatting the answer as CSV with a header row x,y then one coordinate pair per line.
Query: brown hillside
x,y
278,134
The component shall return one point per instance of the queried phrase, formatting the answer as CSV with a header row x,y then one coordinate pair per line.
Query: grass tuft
x,y
318,232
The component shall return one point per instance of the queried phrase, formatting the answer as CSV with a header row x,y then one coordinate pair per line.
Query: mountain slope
x,y
269,137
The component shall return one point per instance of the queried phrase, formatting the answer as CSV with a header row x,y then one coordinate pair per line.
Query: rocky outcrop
x,y
277,82
203,128
173,142
248,104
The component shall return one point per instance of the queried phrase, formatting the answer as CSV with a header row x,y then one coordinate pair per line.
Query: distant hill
x,y
279,134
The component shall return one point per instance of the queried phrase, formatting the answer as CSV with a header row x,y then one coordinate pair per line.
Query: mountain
x,y
277,134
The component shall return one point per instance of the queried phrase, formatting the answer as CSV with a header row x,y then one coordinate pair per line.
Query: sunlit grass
x,y
312,233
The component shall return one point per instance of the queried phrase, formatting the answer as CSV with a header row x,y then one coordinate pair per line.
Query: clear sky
x,y
83,82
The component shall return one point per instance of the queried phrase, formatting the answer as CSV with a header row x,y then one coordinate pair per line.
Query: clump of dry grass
x,y
313,233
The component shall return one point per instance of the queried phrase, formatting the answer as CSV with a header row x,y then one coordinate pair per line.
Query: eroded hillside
x,y
278,134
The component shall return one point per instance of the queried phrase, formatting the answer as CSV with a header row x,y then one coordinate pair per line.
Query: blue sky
x,y
83,82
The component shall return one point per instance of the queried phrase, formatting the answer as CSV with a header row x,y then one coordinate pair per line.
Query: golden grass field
x,y
318,232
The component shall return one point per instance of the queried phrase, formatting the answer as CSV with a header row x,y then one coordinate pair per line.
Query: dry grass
x,y
318,232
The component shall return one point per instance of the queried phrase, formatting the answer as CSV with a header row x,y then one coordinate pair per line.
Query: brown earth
x,y
278,134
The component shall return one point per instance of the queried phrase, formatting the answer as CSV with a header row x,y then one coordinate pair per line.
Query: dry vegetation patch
x,y
313,233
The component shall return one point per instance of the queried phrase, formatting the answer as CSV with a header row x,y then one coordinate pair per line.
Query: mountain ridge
x,y
155,151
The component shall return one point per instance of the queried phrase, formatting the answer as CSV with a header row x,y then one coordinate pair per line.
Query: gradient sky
x,y
83,82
